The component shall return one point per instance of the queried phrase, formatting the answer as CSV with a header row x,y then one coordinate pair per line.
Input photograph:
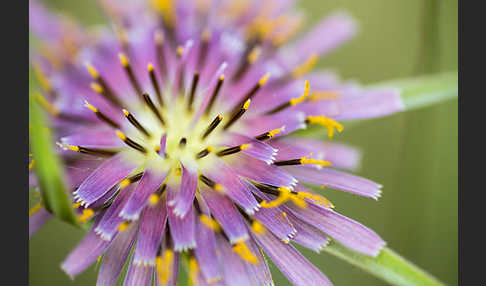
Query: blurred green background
x,y
414,154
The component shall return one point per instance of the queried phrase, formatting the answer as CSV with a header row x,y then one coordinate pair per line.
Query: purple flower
x,y
173,128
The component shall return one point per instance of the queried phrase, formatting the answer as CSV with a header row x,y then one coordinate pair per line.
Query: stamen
x,y
135,123
210,183
214,95
210,223
103,88
159,41
232,150
203,50
164,266
155,84
238,114
130,180
35,209
101,116
204,152
284,194
86,215
152,107
250,56
242,250
212,126
128,69
183,142
269,134
329,123
257,227
90,151
302,161
317,198
47,105
254,54
305,67
130,142
254,90
153,200
293,101
195,80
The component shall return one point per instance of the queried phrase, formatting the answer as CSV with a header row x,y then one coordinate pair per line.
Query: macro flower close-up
x,y
184,131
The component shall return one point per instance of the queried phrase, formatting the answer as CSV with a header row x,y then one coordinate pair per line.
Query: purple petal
x,y
290,120
152,225
116,256
175,271
337,180
234,269
187,192
307,235
225,212
138,274
93,138
276,221
37,219
293,265
205,252
151,180
345,230
259,274
183,230
102,179
85,253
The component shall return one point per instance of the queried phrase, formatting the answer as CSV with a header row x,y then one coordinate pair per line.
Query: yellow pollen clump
x,y
123,226
317,198
264,79
153,199
295,101
329,123
257,227
126,112
157,148
177,171
305,160
244,146
46,104
242,250
124,183
210,149
247,104
72,148
164,266
221,77
210,223
92,71
218,188
86,215
123,59
121,135
35,209
166,9
283,197
305,67
90,107
96,87
150,67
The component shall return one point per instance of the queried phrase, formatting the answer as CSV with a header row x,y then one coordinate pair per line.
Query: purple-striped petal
x,y
93,138
234,269
205,253
86,252
307,235
151,180
102,179
225,212
259,274
275,220
183,230
337,180
115,256
293,265
37,219
138,274
187,192
345,230
152,225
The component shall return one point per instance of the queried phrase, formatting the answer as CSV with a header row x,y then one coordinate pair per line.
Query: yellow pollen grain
x,y
257,227
242,250
283,197
305,67
92,71
121,135
244,146
96,87
46,104
254,55
91,107
298,201
123,226
177,171
72,147
35,209
210,149
76,205
218,188
305,160
221,77
86,215
210,223
153,199
295,101
124,183
126,112
274,132
166,9
150,67
220,117
123,59
264,79
247,104
157,148
323,95
31,164
329,123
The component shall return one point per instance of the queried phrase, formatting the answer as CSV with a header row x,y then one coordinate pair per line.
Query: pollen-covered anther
x,y
210,183
242,250
295,101
92,70
153,200
238,114
135,122
232,150
85,215
284,195
306,66
305,160
123,226
130,142
269,134
204,152
257,227
96,87
210,222
101,115
329,123
316,198
164,266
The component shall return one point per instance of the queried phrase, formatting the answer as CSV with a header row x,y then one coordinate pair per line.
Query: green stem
x,y
388,266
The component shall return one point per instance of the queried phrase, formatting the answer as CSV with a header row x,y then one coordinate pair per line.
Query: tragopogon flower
x,y
174,130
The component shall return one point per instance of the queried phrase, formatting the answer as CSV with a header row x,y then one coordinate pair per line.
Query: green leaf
x,y
426,90
48,167
388,266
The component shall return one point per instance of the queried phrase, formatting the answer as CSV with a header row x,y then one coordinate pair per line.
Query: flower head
x,y
174,132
